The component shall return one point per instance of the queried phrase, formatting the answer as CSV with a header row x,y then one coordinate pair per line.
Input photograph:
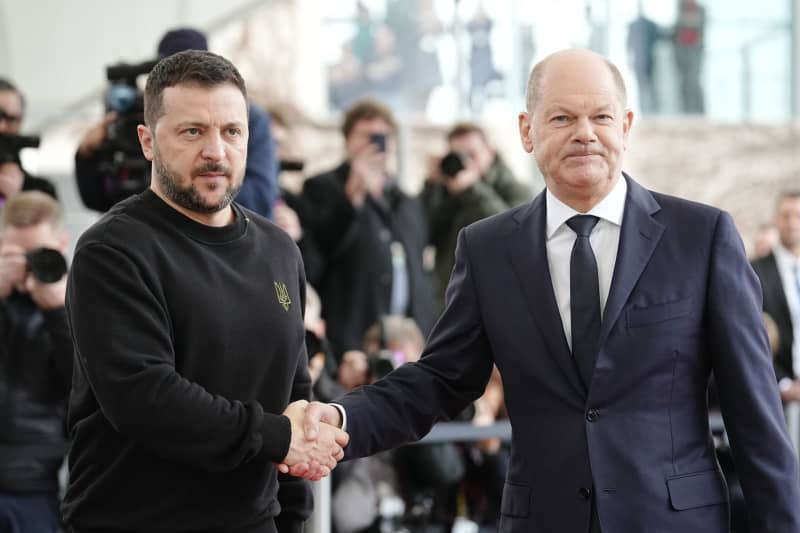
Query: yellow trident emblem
x,y
283,295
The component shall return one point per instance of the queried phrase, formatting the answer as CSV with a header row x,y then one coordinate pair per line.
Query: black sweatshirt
x,y
189,345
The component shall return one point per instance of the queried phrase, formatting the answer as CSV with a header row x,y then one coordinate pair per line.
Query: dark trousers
x,y
26,513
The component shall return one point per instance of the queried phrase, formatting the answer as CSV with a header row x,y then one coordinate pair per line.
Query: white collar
x,y
610,208
785,258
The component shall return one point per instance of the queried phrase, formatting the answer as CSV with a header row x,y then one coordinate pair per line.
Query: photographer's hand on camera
x,y
11,179
47,296
96,136
465,178
13,269
367,170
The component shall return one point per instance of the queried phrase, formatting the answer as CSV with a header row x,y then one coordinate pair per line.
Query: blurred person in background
x,y
259,191
35,362
765,240
689,43
369,233
14,178
643,35
779,272
471,182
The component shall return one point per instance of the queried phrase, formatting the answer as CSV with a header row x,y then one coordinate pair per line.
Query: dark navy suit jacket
x,y
683,303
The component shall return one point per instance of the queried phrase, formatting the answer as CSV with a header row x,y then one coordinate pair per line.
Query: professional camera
x,y
46,264
452,164
125,98
10,146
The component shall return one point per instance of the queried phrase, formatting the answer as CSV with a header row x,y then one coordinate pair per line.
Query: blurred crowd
x,y
377,262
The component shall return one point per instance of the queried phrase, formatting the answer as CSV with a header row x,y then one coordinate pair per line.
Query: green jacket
x,y
447,214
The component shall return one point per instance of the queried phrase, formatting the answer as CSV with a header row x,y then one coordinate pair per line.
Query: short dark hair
x,y
538,72
193,67
792,194
367,109
465,128
6,85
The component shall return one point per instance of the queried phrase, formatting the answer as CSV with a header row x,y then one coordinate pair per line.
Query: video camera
x,y
10,146
125,98
122,158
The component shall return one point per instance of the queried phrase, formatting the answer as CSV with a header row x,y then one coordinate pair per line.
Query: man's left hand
x,y
47,296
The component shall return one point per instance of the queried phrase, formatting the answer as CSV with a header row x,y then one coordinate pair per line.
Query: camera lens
x,y
120,97
46,265
451,164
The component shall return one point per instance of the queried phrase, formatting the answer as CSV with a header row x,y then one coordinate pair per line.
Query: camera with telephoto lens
x,y
451,164
10,146
46,264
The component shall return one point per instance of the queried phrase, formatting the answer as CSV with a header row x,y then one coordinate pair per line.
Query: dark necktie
x,y
584,297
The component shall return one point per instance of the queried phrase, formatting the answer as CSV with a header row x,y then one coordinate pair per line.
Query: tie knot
x,y
582,224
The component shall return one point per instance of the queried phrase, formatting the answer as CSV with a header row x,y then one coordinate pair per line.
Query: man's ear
x,y
526,131
146,139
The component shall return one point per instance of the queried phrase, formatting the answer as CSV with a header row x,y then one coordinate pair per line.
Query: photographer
x,y
35,362
369,233
13,177
471,182
103,181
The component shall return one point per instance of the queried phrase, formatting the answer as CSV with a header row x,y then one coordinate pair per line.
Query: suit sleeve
x,y
453,372
260,185
129,363
751,408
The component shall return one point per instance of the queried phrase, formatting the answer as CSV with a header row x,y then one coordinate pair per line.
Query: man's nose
x,y
213,147
584,131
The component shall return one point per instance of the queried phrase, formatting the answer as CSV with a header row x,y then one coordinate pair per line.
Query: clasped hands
x,y
317,442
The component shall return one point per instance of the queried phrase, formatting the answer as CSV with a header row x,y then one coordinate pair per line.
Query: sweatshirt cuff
x,y
276,436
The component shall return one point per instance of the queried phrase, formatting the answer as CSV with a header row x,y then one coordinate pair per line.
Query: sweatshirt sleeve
x,y
123,343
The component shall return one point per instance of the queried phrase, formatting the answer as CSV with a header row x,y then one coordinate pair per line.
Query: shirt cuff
x,y
784,384
343,415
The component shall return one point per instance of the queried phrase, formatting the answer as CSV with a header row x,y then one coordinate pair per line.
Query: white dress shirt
x,y
604,241
787,263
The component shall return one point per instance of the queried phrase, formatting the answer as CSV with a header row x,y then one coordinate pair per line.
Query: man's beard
x,y
189,197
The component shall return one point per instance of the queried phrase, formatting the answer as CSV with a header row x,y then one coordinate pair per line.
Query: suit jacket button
x,y
585,493
592,415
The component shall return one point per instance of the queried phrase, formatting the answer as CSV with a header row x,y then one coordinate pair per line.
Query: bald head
x,y
577,66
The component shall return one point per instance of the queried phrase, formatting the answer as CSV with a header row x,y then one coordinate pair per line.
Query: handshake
x,y
317,442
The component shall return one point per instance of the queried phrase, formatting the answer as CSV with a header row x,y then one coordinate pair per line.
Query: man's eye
x,y
192,131
560,118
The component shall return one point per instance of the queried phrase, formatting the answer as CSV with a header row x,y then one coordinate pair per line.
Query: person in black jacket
x,y
370,234
35,367
13,177
779,273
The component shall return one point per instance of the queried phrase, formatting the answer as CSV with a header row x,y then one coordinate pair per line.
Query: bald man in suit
x,y
606,308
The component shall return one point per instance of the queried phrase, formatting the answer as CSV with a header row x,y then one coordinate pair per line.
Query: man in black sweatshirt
x,y
186,311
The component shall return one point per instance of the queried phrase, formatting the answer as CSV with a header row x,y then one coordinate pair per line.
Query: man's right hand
x,y
312,455
367,171
95,136
13,268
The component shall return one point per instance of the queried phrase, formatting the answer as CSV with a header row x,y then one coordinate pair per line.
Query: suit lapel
x,y
529,260
639,236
